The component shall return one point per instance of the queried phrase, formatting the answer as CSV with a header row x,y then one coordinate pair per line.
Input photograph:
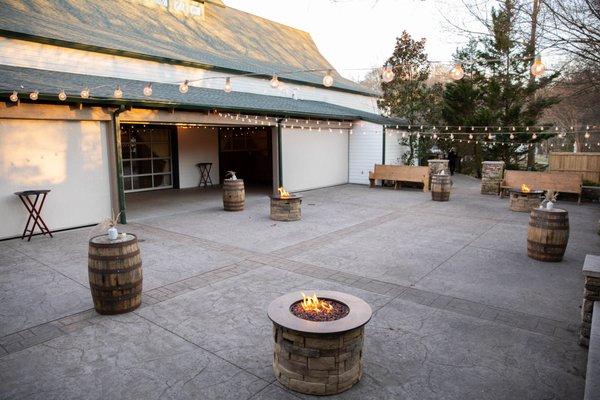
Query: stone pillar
x,y
492,173
436,166
591,294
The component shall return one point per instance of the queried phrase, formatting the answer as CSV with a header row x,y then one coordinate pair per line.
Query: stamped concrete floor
x,y
460,311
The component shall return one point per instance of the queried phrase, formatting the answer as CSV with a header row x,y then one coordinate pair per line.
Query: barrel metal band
x,y
116,270
114,257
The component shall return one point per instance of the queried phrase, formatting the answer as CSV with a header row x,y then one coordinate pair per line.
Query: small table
x,y
35,211
205,168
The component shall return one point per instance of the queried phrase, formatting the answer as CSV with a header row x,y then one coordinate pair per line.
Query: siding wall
x,y
366,146
314,159
393,148
68,157
197,144
23,53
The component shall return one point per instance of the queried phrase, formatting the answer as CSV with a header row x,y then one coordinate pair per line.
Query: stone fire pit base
x,y
319,358
317,364
286,209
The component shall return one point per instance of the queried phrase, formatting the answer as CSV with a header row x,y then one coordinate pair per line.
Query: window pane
x,y
140,135
162,180
127,183
141,150
163,165
161,149
141,182
126,168
141,167
125,150
160,135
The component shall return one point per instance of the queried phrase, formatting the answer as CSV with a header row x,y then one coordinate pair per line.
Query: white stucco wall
x,y
314,159
23,53
68,157
393,148
366,145
197,144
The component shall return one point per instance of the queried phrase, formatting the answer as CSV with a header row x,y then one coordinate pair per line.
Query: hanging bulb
x,y
512,136
328,79
586,135
418,135
470,136
534,136
435,136
85,93
14,97
387,75
457,73
118,93
148,90
538,68
227,85
452,136
34,95
490,136
403,134
274,82
184,87
62,96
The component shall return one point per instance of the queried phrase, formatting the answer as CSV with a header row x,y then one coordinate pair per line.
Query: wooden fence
x,y
588,164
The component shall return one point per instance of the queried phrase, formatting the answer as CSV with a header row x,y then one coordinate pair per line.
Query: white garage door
x,y
314,159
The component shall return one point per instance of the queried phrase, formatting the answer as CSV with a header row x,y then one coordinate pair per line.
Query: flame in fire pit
x,y
283,193
525,188
314,304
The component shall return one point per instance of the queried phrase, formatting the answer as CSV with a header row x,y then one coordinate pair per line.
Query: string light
x,y
387,74
118,93
586,135
512,136
148,90
457,73
227,85
328,79
274,82
470,136
184,87
34,95
538,68
14,97
62,96
534,136
85,93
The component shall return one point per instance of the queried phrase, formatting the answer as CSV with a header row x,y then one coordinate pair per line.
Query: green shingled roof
x,y
226,39
49,83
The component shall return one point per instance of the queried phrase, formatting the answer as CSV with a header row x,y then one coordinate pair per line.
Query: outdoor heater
x,y
318,340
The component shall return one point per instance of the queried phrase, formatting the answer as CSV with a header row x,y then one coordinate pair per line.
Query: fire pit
x,y
286,206
318,340
524,199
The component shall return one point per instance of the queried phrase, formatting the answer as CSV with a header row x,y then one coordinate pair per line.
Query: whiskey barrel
x,y
234,195
115,273
440,187
548,234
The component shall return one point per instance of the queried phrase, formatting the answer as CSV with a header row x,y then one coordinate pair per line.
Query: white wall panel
x,y
68,157
393,148
314,159
197,144
366,150
23,53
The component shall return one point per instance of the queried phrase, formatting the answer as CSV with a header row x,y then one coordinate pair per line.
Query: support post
x,y
279,154
119,160
383,148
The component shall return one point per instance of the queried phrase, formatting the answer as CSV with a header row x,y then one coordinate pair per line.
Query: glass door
x,y
147,159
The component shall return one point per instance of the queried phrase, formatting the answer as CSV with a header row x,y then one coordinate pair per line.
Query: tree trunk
x,y
531,49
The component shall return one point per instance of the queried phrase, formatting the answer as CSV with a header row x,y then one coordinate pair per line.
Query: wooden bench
x,y
565,182
400,173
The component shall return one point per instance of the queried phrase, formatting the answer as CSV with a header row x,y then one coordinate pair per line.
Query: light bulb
x,y
118,93
538,68
470,136
227,85
34,95
148,90
62,96
387,75
452,136
457,72
183,88
534,136
85,93
14,97
274,82
586,135
490,136
512,136
328,79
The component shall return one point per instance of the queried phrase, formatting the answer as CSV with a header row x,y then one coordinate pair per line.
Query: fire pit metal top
x,y
290,197
531,191
360,313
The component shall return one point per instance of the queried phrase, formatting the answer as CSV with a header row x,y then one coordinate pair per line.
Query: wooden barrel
x,y
440,187
548,234
234,195
115,272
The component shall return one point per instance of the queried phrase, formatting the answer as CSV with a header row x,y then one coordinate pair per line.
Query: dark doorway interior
x,y
248,152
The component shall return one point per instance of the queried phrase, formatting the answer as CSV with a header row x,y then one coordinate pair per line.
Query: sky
x,y
355,34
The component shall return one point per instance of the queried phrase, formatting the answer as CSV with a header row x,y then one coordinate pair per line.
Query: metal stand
x,y
35,211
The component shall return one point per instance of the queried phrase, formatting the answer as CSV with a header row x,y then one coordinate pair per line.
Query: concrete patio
x,y
461,312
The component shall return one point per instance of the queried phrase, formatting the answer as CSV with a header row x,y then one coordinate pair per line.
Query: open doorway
x,y
248,152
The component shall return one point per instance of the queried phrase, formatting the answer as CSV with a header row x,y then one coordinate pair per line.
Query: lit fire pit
x,y
286,206
524,199
318,341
